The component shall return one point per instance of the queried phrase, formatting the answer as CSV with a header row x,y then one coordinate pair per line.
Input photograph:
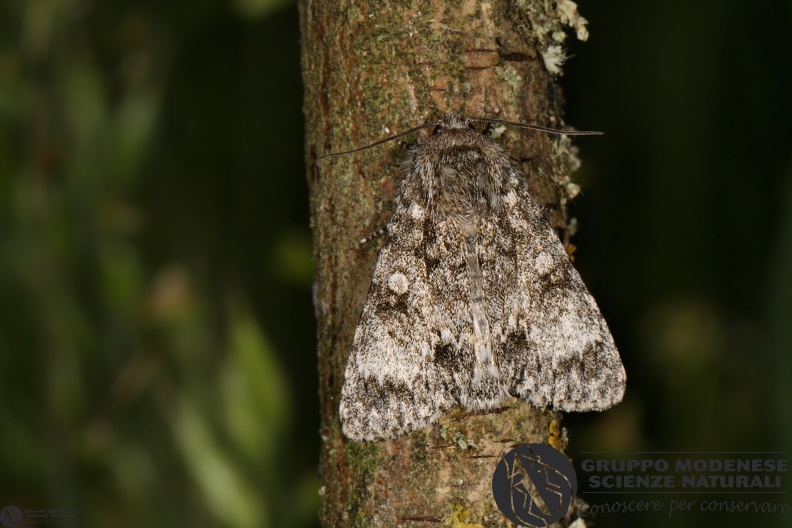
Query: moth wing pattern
x,y
394,382
473,299
550,340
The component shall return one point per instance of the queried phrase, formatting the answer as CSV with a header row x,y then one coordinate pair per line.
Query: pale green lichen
x,y
554,57
572,190
464,443
547,23
568,11
497,132
510,75
461,518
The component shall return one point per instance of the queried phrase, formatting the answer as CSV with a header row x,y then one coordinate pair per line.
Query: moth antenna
x,y
549,130
380,142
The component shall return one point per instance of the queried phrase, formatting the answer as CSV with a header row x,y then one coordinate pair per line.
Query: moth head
x,y
441,127
454,121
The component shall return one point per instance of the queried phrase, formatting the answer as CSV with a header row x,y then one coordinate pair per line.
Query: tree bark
x,y
377,67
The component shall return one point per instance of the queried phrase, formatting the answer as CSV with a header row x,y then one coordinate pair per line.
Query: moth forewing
x,y
473,299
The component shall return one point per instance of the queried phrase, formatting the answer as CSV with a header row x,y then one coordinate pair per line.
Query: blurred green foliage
x,y
685,234
157,363
156,331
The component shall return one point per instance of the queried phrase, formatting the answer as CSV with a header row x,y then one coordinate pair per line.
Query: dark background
x,y
157,362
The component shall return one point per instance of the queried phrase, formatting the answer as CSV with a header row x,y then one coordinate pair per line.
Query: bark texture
x,y
373,68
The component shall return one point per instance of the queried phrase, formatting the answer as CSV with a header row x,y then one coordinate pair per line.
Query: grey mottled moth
x,y
473,299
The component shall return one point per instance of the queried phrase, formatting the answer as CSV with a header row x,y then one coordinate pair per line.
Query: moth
x,y
473,299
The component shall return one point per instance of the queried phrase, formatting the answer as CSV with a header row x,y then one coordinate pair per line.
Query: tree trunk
x,y
371,69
